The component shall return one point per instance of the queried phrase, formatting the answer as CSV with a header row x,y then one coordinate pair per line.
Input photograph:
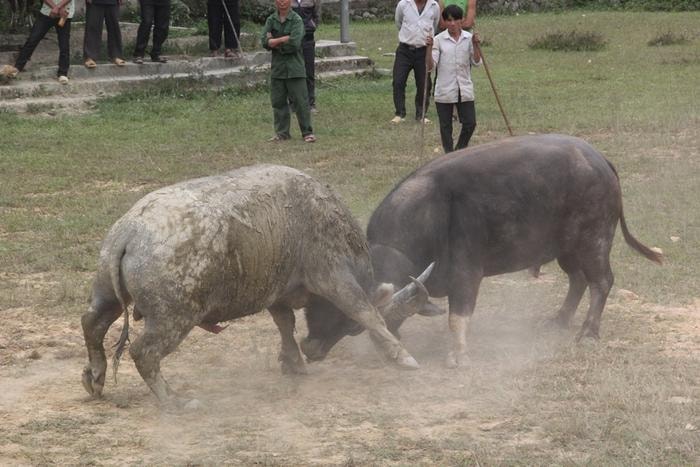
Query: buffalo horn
x,y
397,309
407,293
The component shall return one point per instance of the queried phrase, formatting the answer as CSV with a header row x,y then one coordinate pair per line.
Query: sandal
x,y
138,60
90,63
310,138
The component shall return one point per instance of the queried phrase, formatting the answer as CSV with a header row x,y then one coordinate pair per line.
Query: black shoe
x,y
159,59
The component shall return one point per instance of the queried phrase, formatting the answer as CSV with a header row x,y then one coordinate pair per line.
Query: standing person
x,y
309,11
282,34
218,22
454,53
155,14
417,20
97,13
469,17
57,14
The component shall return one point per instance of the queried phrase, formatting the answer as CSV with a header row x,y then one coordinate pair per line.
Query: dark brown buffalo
x,y
502,207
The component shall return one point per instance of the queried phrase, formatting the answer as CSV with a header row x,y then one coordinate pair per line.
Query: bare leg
x,y
352,300
290,356
95,322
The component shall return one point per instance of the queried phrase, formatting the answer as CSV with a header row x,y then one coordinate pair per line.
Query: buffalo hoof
x,y
406,362
560,321
193,404
587,332
455,360
293,367
91,384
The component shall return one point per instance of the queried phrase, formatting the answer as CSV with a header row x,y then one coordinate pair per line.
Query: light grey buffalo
x,y
213,249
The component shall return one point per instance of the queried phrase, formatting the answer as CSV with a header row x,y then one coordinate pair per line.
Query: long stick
x,y
428,50
493,86
228,15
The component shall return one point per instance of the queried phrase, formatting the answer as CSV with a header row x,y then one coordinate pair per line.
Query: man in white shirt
x,y
417,21
454,52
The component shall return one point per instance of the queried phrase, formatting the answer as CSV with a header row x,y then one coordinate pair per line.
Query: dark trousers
x,y
218,21
467,117
308,46
157,16
291,90
41,27
408,59
95,17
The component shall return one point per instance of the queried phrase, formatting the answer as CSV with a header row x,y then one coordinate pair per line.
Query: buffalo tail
x,y
115,275
629,238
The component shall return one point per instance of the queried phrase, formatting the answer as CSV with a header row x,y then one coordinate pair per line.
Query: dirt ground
x,y
351,409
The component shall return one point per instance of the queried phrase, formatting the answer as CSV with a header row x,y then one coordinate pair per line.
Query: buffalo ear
x,y
382,295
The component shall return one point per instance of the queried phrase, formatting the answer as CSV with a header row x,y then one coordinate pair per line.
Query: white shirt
x,y
454,60
414,27
70,7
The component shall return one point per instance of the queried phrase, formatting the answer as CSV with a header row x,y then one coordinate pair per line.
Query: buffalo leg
x,y
464,288
577,286
95,322
352,301
157,341
600,281
290,356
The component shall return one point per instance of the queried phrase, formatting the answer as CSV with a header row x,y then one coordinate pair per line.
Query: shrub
x,y
569,41
667,38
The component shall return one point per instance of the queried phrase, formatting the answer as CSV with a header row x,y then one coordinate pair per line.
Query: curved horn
x,y
400,306
407,293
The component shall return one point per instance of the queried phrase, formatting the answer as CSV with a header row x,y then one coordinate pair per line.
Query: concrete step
x,y
39,90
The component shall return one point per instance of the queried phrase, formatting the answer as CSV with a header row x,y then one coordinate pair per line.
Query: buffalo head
x,y
327,324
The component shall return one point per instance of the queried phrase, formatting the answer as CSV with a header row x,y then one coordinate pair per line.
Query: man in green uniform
x,y
282,34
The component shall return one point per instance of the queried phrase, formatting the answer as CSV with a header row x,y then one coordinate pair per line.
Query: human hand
x,y
476,39
429,41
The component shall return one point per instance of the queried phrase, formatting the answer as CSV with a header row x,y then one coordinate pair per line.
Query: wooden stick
x,y
493,86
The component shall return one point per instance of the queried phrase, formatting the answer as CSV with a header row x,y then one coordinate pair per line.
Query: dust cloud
x,y
251,413
353,397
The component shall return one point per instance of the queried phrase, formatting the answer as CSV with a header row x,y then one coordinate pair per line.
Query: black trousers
x,y
95,17
158,17
308,46
218,21
407,59
467,117
41,27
